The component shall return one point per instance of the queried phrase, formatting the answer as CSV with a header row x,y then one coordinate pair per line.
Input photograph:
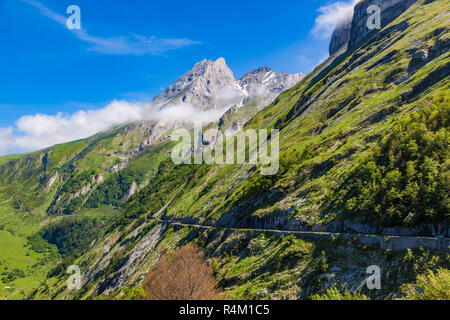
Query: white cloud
x,y
330,16
33,132
5,138
308,62
227,96
122,45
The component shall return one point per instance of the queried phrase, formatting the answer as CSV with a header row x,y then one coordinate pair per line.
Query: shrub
x,y
404,181
429,286
182,275
136,293
334,294
13,275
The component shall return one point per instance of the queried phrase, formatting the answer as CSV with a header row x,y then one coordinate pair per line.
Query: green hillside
x,y
364,140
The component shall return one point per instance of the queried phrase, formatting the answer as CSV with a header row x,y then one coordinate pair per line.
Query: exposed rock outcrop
x,y
50,182
390,10
263,80
264,84
130,264
350,31
133,189
341,35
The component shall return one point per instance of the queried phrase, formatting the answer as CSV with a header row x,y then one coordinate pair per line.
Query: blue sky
x,y
131,50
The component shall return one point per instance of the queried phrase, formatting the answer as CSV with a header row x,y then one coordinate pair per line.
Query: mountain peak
x,y
200,86
274,81
212,85
205,63
220,61
264,69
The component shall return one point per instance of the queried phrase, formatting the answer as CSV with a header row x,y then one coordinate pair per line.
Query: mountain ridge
x,y
212,85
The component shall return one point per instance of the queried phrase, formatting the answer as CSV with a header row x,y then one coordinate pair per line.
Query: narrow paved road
x,y
394,242
288,232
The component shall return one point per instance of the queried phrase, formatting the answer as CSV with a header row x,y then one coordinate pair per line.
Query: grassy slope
x,y
25,198
333,114
338,118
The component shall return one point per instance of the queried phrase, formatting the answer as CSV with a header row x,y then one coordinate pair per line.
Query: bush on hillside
x,y
182,275
429,286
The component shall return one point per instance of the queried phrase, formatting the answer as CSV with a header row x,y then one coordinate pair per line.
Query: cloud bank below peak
x,y
34,132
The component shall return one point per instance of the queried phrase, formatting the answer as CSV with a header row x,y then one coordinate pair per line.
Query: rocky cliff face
x,y
341,35
267,84
390,10
265,77
260,86
352,30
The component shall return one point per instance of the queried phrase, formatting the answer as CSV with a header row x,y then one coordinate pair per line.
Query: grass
x,y
328,124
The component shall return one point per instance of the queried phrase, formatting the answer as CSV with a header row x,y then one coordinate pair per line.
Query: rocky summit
x,y
212,85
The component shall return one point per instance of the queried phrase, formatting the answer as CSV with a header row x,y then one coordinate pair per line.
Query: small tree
x,y
182,275
429,286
